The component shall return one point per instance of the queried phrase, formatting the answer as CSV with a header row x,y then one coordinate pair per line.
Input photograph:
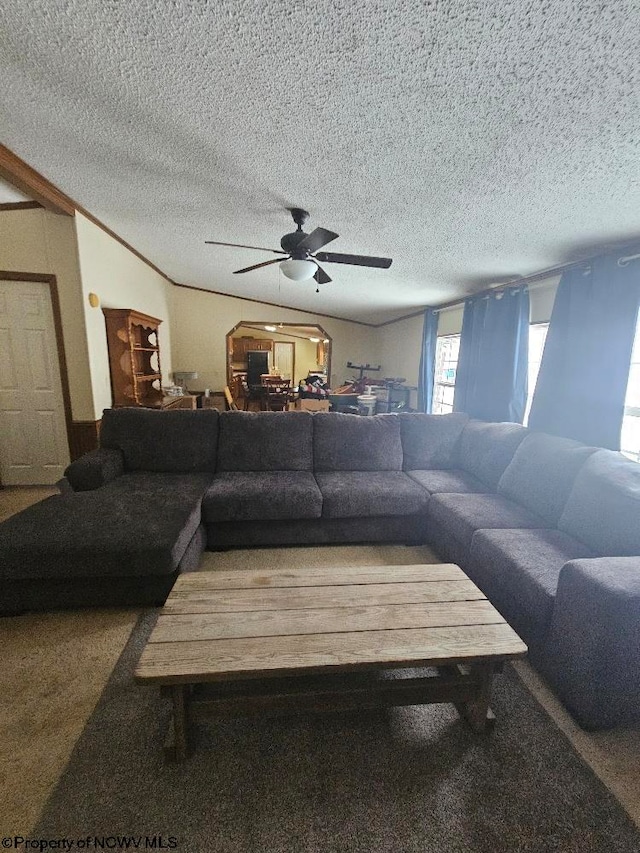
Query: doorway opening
x,y
291,351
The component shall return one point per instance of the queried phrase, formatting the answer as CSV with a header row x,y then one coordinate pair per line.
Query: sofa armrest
x,y
592,652
95,469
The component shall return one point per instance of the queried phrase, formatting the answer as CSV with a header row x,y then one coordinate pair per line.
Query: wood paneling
x,y
84,436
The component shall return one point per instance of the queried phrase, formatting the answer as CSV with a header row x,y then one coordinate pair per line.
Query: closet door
x,y
33,433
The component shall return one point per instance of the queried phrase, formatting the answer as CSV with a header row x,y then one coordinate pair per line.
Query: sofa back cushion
x,y
542,472
178,442
485,449
352,443
603,508
265,441
429,441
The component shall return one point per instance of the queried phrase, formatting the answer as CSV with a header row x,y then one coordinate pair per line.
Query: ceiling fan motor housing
x,y
290,243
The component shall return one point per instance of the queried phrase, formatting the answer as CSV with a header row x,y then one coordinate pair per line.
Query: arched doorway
x,y
293,350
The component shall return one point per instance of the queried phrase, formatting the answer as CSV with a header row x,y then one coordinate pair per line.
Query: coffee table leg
x,y
178,747
476,711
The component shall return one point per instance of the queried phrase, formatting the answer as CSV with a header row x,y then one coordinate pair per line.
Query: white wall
x,y
200,322
120,280
38,241
400,345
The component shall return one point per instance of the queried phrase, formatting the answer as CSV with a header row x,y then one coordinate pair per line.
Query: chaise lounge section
x,y
548,528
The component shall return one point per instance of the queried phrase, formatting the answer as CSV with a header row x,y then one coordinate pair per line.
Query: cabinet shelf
x,y
134,357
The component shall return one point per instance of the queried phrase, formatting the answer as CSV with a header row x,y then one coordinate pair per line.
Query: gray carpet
x,y
412,780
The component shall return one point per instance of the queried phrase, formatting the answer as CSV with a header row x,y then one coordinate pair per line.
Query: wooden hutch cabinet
x,y
134,357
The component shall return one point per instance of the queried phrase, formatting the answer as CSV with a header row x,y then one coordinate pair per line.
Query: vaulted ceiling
x,y
469,141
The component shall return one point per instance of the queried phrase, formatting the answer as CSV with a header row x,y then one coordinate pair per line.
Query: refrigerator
x,y
257,364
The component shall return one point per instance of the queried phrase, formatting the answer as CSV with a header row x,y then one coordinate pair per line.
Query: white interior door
x,y
33,434
283,358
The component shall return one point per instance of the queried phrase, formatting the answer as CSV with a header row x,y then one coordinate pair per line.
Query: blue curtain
x,y
427,360
491,379
585,365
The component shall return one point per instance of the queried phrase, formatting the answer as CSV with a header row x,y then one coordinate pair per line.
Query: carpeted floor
x,y
56,665
413,779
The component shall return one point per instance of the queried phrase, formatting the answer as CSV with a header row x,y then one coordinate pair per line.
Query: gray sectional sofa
x,y
548,528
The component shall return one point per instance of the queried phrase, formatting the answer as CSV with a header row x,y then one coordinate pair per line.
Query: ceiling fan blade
x,y
257,266
318,237
321,277
242,246
358,260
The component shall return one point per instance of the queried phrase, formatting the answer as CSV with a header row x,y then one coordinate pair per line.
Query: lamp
x,y
181,377
298,270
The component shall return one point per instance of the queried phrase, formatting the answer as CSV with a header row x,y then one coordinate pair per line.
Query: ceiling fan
x,y
302,258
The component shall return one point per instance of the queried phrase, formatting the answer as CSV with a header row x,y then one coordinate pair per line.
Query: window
x,y
537,338
630,434
444,382
447,351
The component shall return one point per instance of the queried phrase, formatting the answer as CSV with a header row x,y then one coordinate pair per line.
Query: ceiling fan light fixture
x,y
298,270
270,328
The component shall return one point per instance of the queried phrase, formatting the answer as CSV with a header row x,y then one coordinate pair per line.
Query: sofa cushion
x,y
518,571
429,441
356,494
262,496
447,481
352,443
485,450
603,508
95,469
265,441
179,442
542,472
114,531
461,515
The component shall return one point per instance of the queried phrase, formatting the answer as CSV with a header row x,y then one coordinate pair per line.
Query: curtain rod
x,y
536,276
550,272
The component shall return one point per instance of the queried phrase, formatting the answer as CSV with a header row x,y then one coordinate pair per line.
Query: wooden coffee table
x,y
325,639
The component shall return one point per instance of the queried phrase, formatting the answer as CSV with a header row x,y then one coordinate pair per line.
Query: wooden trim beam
x,y
33,184
20,205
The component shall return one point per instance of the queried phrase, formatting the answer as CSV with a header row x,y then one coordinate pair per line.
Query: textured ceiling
x,y
469,141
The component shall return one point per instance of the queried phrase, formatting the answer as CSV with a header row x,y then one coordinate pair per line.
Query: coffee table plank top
x,y
316,576
296,598
218,626
212,660
271,623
